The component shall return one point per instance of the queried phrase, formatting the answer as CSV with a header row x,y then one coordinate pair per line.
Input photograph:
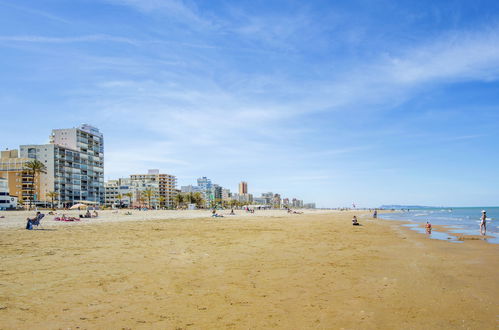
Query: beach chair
x,y
37,221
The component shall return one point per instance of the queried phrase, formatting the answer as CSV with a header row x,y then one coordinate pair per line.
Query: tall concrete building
x,y
309,205
226,195
243,188
190,189
75,165
163,187
116,193
217,192
204,183
285,202
246,198
297,203
21,183
206,188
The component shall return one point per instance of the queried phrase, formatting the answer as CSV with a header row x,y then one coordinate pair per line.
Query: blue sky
x,y
370,102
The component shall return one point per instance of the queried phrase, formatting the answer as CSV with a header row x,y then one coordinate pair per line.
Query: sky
x,y
333,102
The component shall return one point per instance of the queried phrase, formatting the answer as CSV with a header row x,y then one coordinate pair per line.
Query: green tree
x,y
119,197
34,168
162,200
149,194
53,195
189,197
199,200
178,200
130,196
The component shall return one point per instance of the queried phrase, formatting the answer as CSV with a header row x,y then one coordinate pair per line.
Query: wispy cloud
x,y
36,12
86,38
176,9
457,56
282,95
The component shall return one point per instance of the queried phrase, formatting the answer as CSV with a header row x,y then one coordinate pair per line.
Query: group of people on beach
x,y
94,214
483,224
428,228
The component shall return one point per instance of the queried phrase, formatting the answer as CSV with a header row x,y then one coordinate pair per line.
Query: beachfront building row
x,y
298,203
309,206
152,190
212,193
74,161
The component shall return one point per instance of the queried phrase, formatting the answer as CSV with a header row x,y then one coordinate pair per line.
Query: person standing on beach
x,y
428,227
483,223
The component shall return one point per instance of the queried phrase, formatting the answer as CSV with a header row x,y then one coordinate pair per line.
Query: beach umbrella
x,y
77,206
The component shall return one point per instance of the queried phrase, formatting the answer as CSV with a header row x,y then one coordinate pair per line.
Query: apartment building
x,y
163,188
21,183
74,159
243,187
117,193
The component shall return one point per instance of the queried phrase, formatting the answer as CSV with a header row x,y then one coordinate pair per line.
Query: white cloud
x,y
455,57
176,9
37,12
86,38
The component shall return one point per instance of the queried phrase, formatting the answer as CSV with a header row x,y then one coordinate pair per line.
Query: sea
x,y
462,220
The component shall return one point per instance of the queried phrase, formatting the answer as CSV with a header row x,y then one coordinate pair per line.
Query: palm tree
x,y
34,167
119,197
198,199
140,199
178,199
53,195
148,193
189,197
162,200
130,196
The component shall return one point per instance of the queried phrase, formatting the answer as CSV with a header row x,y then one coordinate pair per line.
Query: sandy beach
x,y
185,270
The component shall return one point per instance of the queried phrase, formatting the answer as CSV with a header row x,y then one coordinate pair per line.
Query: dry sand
x,y
269,270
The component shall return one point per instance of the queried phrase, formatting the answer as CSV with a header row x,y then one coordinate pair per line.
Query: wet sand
x,y
266,271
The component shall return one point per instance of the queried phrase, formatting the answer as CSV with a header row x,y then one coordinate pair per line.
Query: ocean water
x,y
463,220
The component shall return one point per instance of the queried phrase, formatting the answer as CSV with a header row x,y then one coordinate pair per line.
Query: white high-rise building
x,y
75,165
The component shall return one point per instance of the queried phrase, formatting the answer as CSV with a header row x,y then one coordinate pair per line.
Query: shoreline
x,y
453,234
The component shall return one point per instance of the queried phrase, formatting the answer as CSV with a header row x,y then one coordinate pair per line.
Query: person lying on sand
x,y
215,214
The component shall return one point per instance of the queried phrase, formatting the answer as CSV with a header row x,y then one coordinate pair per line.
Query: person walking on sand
x,y
483,223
